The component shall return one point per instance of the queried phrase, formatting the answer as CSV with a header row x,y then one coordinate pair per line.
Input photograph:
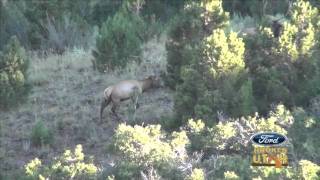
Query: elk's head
x,y
154,81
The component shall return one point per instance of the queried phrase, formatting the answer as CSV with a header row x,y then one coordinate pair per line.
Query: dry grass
x,y
66,96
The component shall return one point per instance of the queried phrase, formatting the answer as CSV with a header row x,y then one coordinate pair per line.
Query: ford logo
x,y
268,138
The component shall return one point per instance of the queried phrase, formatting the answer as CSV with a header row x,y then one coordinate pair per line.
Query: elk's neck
x,y
146,84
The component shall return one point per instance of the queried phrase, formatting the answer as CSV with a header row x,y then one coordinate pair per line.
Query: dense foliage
x,y
199,151
217,65
148,150
229,82
185,34
222,151
257,9
46,25
70,165
277,64
224,74
225,135
237,76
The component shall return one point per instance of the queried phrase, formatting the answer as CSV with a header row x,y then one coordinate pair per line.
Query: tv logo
x,y
268,138
268,150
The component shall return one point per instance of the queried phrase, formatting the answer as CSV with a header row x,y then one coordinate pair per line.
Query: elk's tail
x,y
106,101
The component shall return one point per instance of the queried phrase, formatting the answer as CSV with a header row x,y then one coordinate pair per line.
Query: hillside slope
x,y
66,96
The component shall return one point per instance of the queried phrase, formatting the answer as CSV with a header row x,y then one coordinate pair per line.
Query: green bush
x,y
141,148
256,9
13,73
70,165
102,9
131,141
222,83
119,41
41,135
304,133
168,123
298,37
163,11
223,137
185,34
230,175
309,170
197,174
227,86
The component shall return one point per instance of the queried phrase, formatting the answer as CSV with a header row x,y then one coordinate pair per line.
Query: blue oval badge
x,y
268,138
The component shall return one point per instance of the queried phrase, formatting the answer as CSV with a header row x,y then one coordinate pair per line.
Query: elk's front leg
x,y
135,98
115,106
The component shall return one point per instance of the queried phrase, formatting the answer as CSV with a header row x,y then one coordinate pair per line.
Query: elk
x,y
125,90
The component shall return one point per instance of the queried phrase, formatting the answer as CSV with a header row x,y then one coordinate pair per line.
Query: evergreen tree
x,y
185,32
13,73
222,81
205,65
119,41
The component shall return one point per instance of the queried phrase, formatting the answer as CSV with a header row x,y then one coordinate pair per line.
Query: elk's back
x,y
124,89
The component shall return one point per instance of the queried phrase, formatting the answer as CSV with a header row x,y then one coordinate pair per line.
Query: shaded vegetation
x,y
230,68
70,165
41,135
119,41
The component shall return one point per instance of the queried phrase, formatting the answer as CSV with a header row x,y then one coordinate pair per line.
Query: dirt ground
x,y
66,96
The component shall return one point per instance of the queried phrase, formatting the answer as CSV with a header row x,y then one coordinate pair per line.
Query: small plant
x,y
41,135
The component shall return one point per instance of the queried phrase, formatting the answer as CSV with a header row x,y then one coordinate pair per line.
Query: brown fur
x,y
125,90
